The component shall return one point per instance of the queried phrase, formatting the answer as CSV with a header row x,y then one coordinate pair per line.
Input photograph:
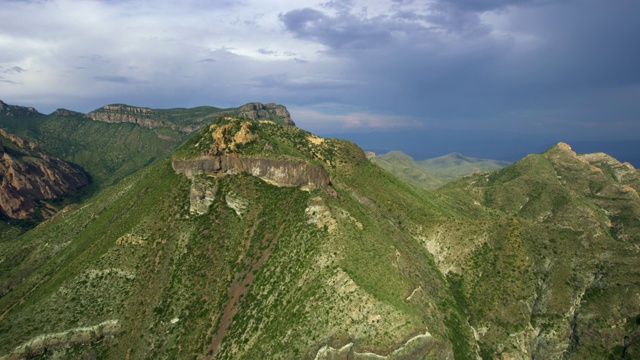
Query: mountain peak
x,y
279,154
562,148
260,111
65,112
15,110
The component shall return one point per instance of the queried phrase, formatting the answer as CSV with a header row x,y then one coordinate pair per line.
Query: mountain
x,y
259,240
558,276
116,140
28,176
433,173
254,240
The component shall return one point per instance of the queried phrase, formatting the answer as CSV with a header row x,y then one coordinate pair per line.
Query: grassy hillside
x,y
555,274
268,271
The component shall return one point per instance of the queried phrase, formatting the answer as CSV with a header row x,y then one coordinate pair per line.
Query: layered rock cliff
x,y
235,145
277,172
28,175
119,113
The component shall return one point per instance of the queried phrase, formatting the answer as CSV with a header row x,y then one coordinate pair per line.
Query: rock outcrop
x,y
77,336
620,171
28,175
277,172
201,195
119,113
259,111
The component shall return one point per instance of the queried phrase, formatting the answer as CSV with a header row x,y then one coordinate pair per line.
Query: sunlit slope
x,y
555,275
224,265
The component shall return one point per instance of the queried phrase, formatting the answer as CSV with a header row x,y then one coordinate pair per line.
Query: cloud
x,y
321,122
266,52
13,69
116,79
529,66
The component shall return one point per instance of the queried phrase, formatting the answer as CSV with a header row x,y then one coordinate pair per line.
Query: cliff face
x,y
28,175
277,172
126,114
235,145
259,111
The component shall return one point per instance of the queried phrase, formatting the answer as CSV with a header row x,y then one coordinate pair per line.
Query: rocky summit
x,y
254,239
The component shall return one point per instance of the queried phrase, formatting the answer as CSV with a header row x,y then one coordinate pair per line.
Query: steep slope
x,y
28,176
555,275
186,258
432,173
116,140
258,240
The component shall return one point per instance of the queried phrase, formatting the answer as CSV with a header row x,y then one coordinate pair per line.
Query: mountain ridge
x,y
432,173
129,137
534,260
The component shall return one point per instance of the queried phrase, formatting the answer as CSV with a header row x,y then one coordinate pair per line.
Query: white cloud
x,y
321,122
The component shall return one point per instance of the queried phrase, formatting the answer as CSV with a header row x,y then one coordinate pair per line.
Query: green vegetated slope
x,y
537,260
144,270
432,173
555,275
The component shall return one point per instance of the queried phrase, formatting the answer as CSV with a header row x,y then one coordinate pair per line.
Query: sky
x,y
488,78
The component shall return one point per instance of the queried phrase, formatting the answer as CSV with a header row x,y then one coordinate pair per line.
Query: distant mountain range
x,y
116,140
435,172
251,239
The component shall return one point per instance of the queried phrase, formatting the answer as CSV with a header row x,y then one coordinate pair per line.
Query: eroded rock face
x,y
125,114
28,175
277,172
237,203
202,194
48,342
257,111
418,347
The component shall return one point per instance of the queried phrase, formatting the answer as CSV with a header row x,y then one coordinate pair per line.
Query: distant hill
x,y
435,172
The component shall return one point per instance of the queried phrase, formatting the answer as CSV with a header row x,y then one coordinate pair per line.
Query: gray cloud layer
x,y
538,67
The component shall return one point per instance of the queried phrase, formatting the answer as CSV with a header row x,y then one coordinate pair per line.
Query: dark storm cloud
x,y
344,30
486,5
542,65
